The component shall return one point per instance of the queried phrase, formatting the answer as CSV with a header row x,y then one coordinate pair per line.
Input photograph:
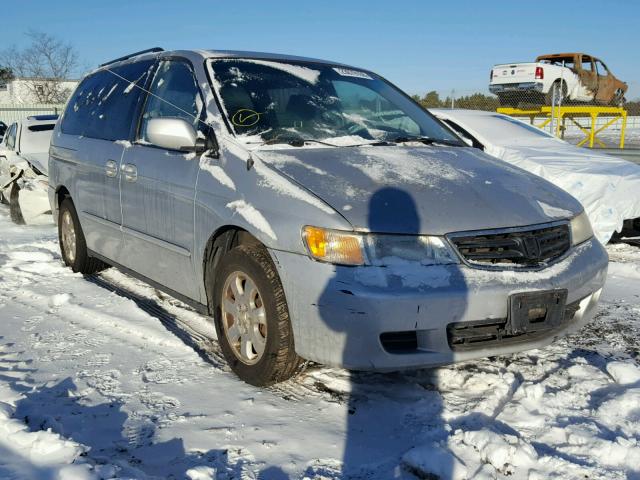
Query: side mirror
x,y
174,134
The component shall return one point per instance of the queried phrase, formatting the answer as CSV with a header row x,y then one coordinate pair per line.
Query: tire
x,y
618,99
14,205
237,328
560,87
73,246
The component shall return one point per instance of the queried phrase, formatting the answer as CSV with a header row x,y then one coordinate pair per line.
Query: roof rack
x,y
135,54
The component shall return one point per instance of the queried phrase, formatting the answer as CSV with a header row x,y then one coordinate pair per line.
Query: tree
x,y
478,101
6,75
633,107
431,100
45,64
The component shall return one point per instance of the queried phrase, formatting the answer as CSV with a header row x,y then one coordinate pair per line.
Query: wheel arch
x,y
61,193
220,242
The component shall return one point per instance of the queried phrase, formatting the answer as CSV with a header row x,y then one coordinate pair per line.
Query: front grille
x,y
486,333
523,248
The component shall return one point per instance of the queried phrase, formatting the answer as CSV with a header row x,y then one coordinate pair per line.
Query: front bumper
x,y
516,87
339,314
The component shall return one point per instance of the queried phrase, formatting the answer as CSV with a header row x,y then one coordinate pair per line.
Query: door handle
x,y
111,168
130,172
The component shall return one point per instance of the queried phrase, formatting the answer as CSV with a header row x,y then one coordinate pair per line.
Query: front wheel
x,y
73,245
618,98
252,317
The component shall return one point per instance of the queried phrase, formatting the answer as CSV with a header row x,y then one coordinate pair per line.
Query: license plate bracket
x,y
532,312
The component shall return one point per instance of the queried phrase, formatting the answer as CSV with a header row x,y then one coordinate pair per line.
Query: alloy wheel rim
x,y
244,317
68,237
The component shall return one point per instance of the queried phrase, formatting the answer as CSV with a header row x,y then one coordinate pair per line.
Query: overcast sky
x,y
419,45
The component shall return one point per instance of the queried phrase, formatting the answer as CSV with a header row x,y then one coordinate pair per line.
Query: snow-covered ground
x,y
104,377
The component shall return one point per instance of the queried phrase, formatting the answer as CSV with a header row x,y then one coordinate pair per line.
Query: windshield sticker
x,y
347,72
245,118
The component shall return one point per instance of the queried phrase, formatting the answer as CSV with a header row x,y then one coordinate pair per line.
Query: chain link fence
x,y
524,105
14,112
551,111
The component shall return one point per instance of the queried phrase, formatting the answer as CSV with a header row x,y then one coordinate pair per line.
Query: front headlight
x,y
581,230
349,248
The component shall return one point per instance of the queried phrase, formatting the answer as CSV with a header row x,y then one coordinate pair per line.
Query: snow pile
x,y
35,455
624,373
103,376
433,459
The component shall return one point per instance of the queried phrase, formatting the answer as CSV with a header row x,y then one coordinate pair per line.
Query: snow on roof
x,y
261,56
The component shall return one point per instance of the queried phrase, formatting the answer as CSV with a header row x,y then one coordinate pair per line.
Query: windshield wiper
x,y
427,141
300,142
297,142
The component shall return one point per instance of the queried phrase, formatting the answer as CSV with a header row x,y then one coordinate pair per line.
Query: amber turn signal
x,y
332,246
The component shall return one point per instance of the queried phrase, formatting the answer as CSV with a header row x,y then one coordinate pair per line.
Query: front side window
x,y
602,69
279,102
173,93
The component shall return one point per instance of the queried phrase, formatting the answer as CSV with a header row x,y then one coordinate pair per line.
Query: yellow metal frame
x,y
573,113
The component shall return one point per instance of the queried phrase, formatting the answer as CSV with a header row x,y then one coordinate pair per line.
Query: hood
x,y
39,160
422,189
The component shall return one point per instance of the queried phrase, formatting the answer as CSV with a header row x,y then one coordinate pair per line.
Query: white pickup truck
x,y
573,77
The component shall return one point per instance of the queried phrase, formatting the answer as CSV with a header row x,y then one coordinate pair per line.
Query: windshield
x,y
280,102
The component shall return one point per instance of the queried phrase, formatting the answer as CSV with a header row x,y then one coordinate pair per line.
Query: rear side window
x,y
104,103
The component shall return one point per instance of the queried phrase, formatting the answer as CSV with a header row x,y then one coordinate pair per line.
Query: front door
x,y
606,83
588,75
158,186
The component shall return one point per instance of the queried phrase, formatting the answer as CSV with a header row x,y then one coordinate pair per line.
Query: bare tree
x,y
6,75
45,64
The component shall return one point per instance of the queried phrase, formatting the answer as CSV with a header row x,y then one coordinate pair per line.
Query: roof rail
x,y
135,54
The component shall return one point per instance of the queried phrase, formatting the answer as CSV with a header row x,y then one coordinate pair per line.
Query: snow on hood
x,y
429,190
606,186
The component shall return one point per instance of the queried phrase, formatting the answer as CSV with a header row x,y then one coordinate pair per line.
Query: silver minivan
x,y
316,212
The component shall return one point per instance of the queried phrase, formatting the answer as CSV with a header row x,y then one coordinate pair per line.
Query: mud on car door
x,y
158,185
